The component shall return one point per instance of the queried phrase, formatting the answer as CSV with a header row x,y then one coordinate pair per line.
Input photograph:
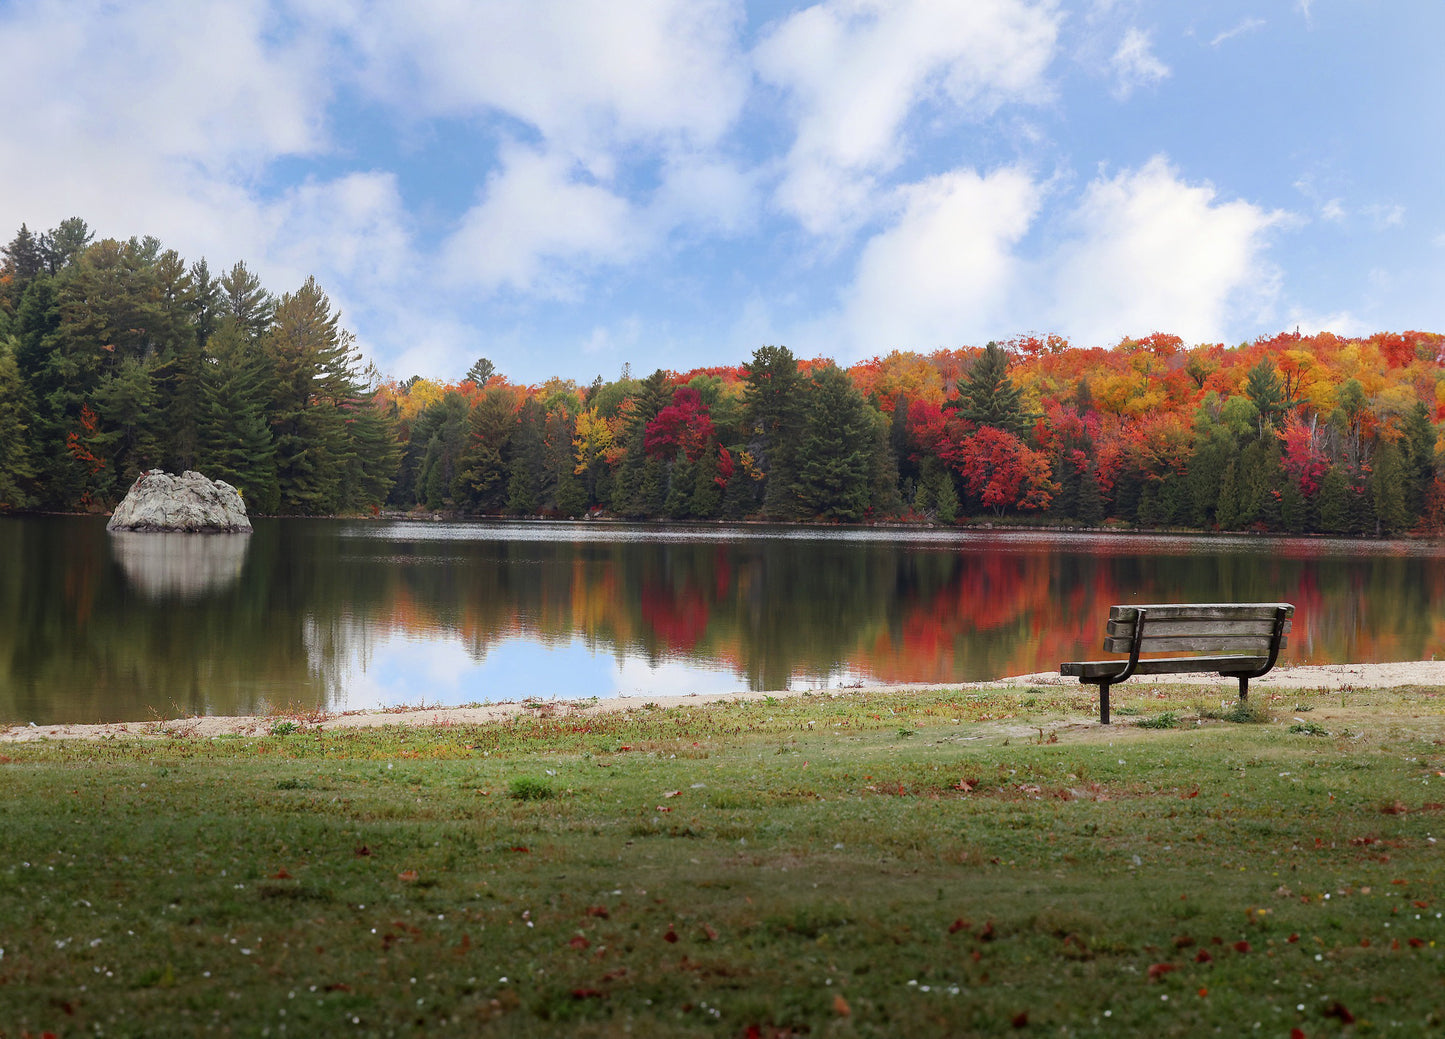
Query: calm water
x,y
354,614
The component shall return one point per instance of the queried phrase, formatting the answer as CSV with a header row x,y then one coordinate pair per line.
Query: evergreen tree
x,y
1266,392
60,246
24,262
1419,461
16,472
234,437
483,481
528,461
243,298
1333,499
1388,490
1090,510
771,399
989,397
480,371
313,389
836,453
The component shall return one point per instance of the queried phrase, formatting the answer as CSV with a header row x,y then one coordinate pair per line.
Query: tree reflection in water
x,y
333,614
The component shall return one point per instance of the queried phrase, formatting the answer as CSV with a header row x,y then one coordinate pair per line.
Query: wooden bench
x,y
1242,641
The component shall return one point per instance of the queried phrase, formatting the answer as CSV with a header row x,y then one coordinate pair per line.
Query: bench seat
x,y
1095,669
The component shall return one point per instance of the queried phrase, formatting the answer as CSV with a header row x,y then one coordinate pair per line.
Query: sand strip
x,y
1325,677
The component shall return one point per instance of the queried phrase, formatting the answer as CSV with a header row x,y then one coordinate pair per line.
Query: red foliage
x,y
685,423
1001,472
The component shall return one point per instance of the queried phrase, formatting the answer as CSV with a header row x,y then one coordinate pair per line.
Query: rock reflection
x,y
180,566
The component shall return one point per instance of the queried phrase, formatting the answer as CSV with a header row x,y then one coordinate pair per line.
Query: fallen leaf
x,y
1394,808
1241,946
407,875
841,1007
281,874
1416,943
671,935
707,929
1338,1010
1296,1033
672,793
1203,957
362,852
1021,1019
959,925
579,942
986,935
599,911
588,993
1158,970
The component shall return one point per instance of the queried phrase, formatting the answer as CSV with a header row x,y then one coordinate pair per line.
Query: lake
x,y
350,614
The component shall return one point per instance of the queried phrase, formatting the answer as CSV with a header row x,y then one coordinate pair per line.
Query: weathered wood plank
x,y
1201,611
1164,666
1125,629
1198,644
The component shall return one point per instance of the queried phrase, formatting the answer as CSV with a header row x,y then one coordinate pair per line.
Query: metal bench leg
x,y
1243,688
1103,703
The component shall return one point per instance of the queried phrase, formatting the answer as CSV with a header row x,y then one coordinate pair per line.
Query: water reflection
x,y
360,614
183,566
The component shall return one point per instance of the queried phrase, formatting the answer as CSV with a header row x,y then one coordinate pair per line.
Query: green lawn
x,y
926,864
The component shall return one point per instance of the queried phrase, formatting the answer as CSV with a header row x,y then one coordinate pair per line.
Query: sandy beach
x,y
1320,677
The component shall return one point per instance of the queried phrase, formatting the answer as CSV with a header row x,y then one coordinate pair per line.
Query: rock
x,y
158,501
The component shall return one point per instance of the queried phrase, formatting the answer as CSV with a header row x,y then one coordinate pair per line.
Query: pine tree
x,y
234,437
772,398
836,453
16,472
1387,490
482,482
1419,444
988,396
243,298
60,246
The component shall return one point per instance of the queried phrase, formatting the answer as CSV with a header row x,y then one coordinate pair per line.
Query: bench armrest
x,y
1135,641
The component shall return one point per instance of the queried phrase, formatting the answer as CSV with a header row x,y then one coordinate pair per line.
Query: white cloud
x,y
1152,252
852,72
540,222
1332,210
1383,215
584,73
1134,64
944,273
1246,25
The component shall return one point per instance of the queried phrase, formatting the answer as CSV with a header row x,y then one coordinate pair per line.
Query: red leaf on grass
x,y
408,875
579,942
671,935
1241,946
1203,957
597,911
1296,1033
1021,1019
841,1007
959,925
281,874
986,935
588,993
1337,1009
1158,970
1416,943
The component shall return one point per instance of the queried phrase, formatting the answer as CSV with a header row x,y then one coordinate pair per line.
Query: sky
x,y
570,187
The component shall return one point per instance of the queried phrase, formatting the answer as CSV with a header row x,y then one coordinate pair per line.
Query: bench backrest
x,y
1246,629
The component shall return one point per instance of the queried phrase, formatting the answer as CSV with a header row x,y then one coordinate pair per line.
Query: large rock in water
x,y
158,501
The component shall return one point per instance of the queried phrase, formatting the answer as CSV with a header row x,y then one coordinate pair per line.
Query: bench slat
x,y
1201,611
1163,666
1265,628
1194,644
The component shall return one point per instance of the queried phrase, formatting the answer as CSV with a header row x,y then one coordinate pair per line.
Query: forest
x,y
118,356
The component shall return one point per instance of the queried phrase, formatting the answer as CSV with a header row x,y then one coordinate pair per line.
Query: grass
x,y
775,869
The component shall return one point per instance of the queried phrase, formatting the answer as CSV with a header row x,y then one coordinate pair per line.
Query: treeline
x,y
117,357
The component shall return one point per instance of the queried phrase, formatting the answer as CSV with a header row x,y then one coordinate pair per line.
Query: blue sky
x,y
567,187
